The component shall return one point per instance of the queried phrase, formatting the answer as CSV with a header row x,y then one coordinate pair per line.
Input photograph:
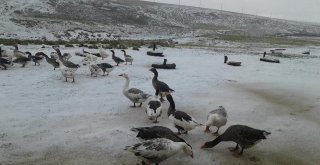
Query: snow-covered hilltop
x,y
131,19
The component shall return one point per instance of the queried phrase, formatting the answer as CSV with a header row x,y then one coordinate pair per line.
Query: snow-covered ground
x,y
45,120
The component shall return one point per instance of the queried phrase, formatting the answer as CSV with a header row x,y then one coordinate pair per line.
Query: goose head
x,y
123,51
124,75
85,61
29,55
265,133
112,52
153,70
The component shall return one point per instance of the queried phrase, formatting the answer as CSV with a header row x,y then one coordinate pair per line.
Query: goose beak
x,y
120,75
203,146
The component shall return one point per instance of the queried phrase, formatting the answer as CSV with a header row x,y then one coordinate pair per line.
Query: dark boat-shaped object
x,y
164,65
234,63
272,60
155,53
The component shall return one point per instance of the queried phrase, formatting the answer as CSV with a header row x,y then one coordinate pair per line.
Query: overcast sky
x,y
301,10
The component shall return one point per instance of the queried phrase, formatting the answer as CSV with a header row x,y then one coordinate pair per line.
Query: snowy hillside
x,y
127,19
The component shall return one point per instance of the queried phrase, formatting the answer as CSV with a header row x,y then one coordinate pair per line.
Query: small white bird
x,y
218,118
158,150
154,109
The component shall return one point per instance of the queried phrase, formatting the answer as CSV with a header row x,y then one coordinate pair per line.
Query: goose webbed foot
x,y
216,133
238,154
156,121
235,149
134,105
207,130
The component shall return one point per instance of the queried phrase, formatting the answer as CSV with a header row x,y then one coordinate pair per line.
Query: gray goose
x,y
244,136
116,59
3,61
36,58
158,150
127,58
133,94
22,60
51,61
68,64
106,67
161,88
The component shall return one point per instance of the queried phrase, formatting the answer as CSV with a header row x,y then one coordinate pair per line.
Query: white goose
x,y
181,120
66,72
154,109
88,59
103,53
158,150
218,118
133,94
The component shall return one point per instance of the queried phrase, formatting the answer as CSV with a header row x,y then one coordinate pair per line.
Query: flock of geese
x,y
58,60
158,143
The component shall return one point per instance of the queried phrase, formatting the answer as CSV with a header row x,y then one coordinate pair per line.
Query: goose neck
x,y
126,84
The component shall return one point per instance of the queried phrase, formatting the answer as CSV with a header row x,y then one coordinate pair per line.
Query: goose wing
x,y
154,150
162,86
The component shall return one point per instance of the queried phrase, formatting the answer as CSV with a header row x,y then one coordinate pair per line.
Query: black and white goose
x,y
154,109
22,60
158,150
17,53
116,59
51,61
127,58
106,67
161,88
36,58
217,118
181,120
68,64
147,133
133,94
244,136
